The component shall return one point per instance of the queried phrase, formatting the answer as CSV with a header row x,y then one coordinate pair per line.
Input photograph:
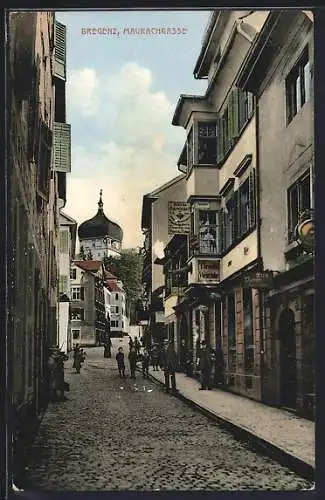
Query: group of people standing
x,y
79,356
134,352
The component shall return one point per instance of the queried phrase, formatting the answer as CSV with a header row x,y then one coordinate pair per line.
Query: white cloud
x,y
82,89
138,154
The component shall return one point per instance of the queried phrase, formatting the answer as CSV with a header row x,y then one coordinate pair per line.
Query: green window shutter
x,y
64,241
242,109
238,211
234,98
61,151
252,197
60,42
63,284
250,104
235,217
220,140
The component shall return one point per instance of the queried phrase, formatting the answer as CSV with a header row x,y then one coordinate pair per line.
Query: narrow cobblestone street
x,y
130,435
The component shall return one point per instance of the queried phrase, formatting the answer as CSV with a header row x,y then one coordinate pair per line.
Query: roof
x,y
150,197
100,226
88,265
113,286
108,275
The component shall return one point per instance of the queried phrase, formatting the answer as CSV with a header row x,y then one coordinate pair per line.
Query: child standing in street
x,y
120,362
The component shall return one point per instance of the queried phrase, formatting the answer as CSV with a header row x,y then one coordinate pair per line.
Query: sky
x,y
121,94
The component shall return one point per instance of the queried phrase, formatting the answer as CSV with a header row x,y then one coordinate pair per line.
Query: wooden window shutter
x,y
233,113
63,287
252,197
60,51
220,140
250,104
235,217
61,154
238,211
242,109
64,241
82,293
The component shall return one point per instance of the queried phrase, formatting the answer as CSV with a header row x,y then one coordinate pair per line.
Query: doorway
x,y
288,368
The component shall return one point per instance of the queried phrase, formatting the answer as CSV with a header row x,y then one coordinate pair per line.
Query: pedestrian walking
x,y
78,360
204,366
189,363
155,358
145,364
130,342
107,348
120,362
133,361
137,345
170,367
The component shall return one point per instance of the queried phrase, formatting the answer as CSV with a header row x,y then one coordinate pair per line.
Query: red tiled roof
x,y
108,275
113,286
88,265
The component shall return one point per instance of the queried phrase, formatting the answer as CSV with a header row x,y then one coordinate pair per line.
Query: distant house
x,y
116,304
87,311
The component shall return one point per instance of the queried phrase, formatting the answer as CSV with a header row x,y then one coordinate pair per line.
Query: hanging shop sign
x,y
262,279
179,217
305,231
209,271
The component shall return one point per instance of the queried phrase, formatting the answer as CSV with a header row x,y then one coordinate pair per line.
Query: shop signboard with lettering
x,y
209,271
261,279
179,217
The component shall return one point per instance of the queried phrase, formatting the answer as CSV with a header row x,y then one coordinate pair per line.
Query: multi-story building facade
x,y
100,237
115,305
32,58
68,232
155,229
279,71
219,160
87,306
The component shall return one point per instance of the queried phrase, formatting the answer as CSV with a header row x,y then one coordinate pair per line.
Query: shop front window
x,y
208,232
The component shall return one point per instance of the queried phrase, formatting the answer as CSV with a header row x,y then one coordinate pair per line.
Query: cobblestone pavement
x,y
130,435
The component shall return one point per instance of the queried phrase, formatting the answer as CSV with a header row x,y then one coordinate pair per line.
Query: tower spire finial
x,y
100,203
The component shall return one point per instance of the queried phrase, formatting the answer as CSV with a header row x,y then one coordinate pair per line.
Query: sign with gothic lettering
x,y
262,279
209,271
179,217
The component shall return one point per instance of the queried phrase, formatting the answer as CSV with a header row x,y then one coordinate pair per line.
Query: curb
x,y
279,454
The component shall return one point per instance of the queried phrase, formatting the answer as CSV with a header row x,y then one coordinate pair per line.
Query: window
x,y
299,199
114,323
116,309
116,296
77,314
230,221
247,205
248,330
76,334
208,232
77,293
298,85
207,143
73,274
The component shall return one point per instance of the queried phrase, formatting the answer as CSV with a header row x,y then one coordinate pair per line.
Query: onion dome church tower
x,y
99,236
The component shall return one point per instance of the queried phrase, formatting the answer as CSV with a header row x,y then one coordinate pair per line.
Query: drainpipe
x,y
259,252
